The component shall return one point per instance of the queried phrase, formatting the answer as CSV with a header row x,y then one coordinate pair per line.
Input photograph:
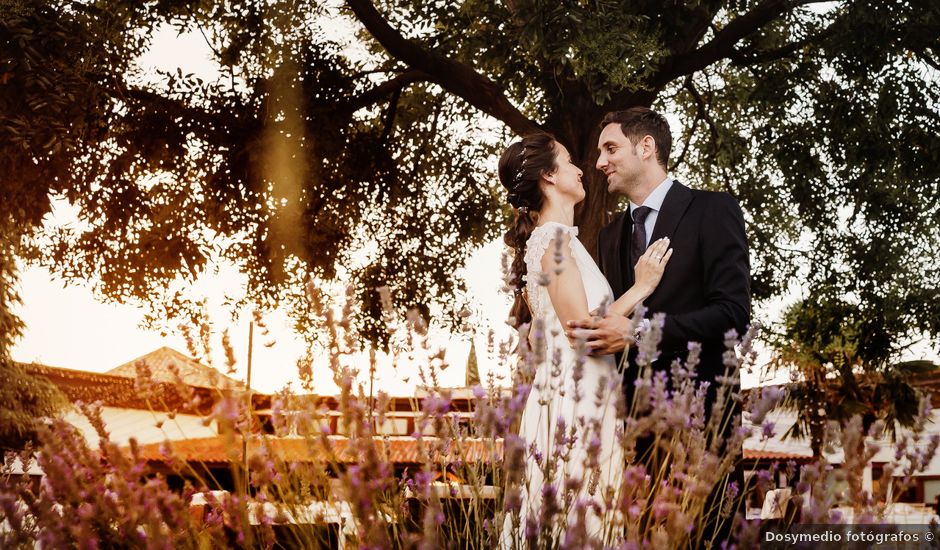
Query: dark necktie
x,y
638,242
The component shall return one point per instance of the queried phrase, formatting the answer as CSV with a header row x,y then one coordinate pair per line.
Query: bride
x,y
574,461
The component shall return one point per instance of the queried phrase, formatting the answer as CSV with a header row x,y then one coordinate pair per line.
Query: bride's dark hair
x,y
520,169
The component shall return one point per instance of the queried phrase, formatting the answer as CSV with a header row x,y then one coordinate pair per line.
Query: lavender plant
x,y
463,485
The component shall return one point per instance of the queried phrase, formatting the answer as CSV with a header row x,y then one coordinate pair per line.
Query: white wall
x,y
123,424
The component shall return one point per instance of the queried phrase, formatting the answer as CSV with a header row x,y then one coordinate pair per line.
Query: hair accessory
x,y
518,177
523,209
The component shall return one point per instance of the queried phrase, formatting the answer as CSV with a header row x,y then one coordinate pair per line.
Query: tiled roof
x,y
400,450
190,370
111,390
122,392
756,454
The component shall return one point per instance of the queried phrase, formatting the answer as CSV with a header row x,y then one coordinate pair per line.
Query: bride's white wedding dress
x,y
565,392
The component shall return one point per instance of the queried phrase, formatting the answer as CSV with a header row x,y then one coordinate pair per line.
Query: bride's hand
x,y
649,269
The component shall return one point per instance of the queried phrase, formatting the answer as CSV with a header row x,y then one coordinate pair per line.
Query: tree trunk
x,y
817,432
580,129
594,212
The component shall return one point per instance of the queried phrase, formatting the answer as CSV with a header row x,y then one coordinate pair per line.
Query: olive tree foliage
x,y
837,380
23,398
341,138
284,166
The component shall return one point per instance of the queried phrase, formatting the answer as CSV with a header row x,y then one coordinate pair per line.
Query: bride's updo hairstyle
x,y
520,169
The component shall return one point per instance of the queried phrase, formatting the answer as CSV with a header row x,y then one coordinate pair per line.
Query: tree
x,y
49,114
24,397
321,151
840,377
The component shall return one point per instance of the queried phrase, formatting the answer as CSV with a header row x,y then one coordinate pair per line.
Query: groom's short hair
x,y
637,122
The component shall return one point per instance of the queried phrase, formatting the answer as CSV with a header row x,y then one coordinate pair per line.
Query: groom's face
x,y
618,160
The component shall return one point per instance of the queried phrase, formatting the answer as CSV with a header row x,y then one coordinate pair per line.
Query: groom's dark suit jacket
x,y
705,289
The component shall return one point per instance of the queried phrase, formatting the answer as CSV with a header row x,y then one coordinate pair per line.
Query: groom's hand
x,y
603,336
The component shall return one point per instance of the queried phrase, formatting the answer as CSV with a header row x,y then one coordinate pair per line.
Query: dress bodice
x,y
596,288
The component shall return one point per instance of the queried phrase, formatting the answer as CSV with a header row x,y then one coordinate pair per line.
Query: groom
x,y
705,290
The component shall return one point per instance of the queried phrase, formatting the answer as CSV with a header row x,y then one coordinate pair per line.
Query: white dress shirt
x,y
655,202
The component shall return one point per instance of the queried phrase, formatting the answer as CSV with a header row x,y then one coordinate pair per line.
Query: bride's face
x,y
567,176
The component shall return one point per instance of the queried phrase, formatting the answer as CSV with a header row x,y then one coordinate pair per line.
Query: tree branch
x,y
722,44
390,116
694,31
382,90
457,78
742,59
929,61
210,123
215,51
701,109
427,139
692,128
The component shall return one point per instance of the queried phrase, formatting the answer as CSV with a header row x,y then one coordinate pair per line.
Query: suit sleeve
x,y
727,279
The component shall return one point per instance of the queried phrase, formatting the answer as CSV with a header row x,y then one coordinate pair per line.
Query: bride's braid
x,y
520,169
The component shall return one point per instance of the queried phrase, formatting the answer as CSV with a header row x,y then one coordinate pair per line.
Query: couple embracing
x,y
675,250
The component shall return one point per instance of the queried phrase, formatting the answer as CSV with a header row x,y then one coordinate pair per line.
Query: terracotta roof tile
x,y
111,390
190,370
755,454
400,450
121,391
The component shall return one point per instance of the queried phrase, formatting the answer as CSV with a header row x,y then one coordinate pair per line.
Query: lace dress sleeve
x,y
535,248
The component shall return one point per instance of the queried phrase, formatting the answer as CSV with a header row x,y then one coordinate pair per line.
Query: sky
x,y
69,327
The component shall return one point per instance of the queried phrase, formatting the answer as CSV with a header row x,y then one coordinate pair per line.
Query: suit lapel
x,y
629,276
675,203
674,206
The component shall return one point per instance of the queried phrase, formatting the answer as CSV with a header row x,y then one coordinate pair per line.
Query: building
x,y
171,414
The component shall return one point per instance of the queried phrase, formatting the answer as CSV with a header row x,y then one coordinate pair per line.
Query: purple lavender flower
x,y
767,430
